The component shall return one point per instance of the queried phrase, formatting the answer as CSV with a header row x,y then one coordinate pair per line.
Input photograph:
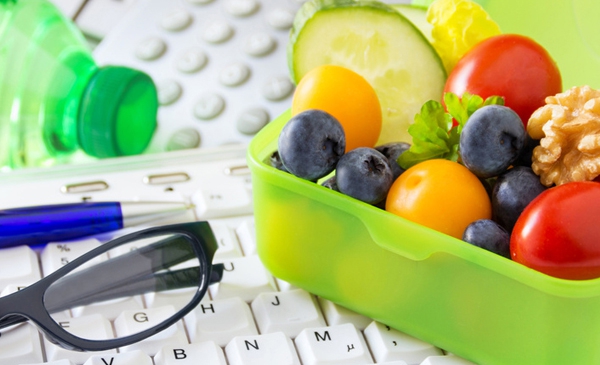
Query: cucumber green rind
x,y
417,14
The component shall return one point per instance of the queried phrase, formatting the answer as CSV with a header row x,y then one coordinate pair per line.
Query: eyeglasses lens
x,y
130,288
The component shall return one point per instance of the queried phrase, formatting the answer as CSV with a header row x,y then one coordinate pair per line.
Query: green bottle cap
x,y
118,111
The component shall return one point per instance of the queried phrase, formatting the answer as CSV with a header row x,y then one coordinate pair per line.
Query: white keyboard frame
x,y
125,178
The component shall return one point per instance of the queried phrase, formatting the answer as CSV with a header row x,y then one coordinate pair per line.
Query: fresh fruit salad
x,y
443,120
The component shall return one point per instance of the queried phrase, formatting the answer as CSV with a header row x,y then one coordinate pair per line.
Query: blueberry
x,y
392,151
491,140
275,161
364,173
330,183
513,191
526,156
488,184
311,143
489,235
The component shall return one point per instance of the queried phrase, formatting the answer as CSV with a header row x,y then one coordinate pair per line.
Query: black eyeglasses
x,y
168,258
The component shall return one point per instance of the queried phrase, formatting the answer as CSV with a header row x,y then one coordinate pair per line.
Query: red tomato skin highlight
x,y
508,65
558,233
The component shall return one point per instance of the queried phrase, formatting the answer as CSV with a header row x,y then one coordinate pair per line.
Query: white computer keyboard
x,y
250,317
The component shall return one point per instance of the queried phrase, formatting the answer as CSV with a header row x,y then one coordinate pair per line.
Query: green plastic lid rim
x,y
100,103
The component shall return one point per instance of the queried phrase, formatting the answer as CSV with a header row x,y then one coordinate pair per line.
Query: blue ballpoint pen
x,y
60,222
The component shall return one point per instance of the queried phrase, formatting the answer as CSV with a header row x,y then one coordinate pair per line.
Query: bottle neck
x,y
60,133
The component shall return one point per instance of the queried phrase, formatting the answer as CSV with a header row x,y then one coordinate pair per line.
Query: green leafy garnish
x,y
433,132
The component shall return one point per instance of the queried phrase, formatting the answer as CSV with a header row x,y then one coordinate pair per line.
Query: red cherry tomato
x,y
508,65
558,232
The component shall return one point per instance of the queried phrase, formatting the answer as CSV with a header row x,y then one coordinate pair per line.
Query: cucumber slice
x,y
378,43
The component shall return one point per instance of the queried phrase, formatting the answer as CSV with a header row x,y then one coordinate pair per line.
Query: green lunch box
x,y
461,298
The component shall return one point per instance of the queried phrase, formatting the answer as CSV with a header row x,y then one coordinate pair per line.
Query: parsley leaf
x,y
433,132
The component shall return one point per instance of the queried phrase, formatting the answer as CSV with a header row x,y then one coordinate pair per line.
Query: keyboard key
x,y
222,199
190,61
20,344
273,348
150,49
244,277
277,88
57,254
205,353
246,233
252,120
388,344
280,18
126,358
93,327
208,106
177,298
229,246
176,20
218,31
130,322
220,321
241,8
19,266
341,344
446,360
259,44
336,314
288,312
183,139
168,91
234,74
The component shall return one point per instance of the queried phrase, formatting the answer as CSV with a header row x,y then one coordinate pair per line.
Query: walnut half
x,y
568,128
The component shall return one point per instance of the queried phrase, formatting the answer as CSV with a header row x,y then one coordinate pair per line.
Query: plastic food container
x,y
461,298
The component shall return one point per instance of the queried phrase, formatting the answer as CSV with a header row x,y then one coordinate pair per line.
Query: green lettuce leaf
x,y
433,132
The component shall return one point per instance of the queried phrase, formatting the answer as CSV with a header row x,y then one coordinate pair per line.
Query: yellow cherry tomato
x,y
439,194
347,96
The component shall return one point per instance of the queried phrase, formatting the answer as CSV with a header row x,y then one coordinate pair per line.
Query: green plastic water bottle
x,y
54,99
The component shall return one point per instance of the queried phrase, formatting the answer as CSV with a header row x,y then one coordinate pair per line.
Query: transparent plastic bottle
x,y
55,100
